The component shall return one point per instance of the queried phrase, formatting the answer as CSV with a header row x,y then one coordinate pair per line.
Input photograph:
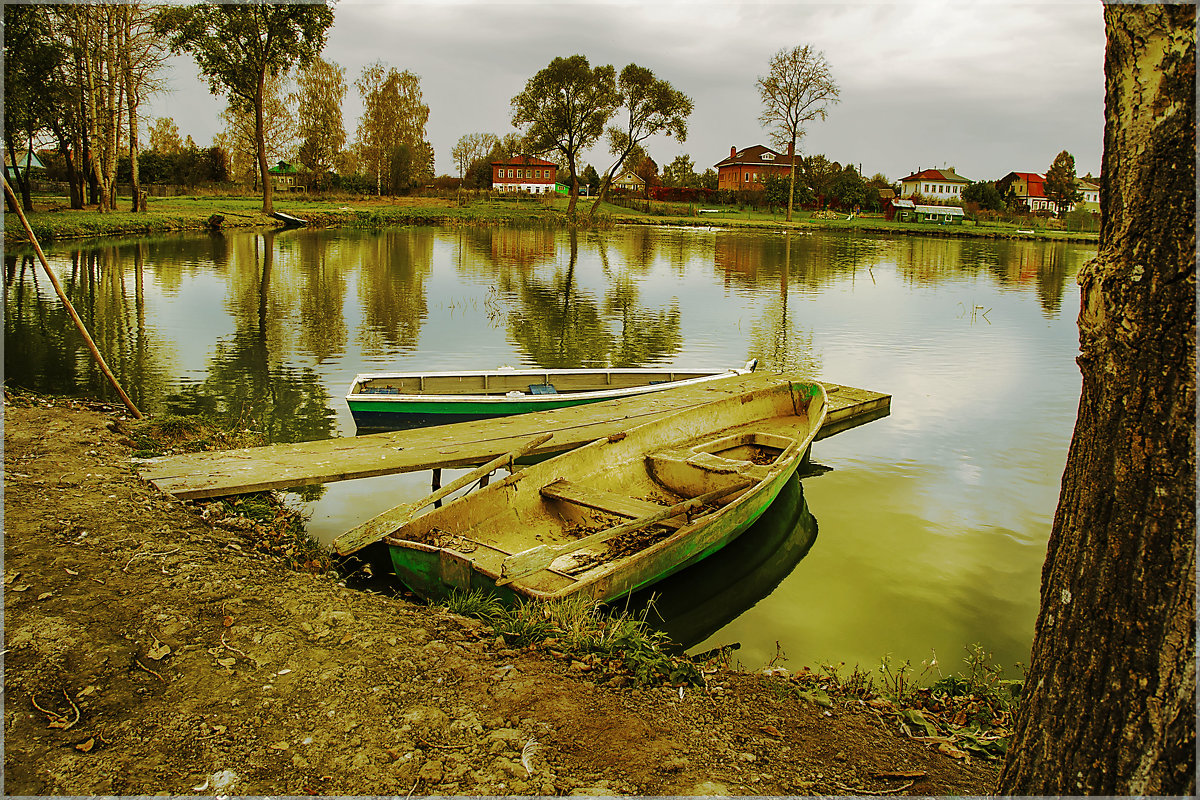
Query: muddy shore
x,y
147,651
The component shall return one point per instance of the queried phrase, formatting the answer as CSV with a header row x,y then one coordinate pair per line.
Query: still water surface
x,y
930,527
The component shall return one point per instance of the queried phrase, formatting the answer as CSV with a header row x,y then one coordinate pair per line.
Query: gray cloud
x,y
984,86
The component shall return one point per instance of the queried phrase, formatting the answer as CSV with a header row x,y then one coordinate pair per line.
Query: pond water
x,y
927,533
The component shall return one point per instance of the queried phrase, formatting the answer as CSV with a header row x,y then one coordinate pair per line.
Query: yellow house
x,y
1091,195
628,181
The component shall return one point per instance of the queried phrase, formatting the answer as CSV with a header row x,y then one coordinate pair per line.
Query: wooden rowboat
x,y
621,513
400,400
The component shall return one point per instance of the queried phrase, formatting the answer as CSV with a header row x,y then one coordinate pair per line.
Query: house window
x,y
747,178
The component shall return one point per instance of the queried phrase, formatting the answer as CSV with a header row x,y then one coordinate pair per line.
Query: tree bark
x,y
791,180
1109,706
260,134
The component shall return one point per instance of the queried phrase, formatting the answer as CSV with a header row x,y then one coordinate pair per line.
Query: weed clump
x,y
618,647
165,434
968,713
271,527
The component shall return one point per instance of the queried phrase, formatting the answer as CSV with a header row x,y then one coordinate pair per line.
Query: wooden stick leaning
x,y
375,529
536,559
87,338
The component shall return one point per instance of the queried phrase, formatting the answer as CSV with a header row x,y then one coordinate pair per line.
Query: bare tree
x,y
470,148
799,88
1109,705
142,56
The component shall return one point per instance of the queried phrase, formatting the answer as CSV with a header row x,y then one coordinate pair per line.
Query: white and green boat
x,y
399,400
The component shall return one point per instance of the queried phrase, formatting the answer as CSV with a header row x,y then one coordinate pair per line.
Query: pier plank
x,y
463,444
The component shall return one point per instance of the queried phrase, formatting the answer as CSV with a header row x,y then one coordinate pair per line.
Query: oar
x,y
375,529
536,559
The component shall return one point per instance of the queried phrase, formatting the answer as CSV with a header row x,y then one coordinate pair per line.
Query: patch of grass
x,y
971,712
617,647
478,604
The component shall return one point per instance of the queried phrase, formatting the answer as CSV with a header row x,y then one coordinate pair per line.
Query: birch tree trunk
x,y
264,176
1110,701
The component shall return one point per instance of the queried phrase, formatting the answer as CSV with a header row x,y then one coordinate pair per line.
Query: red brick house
x,y
749,168
524,174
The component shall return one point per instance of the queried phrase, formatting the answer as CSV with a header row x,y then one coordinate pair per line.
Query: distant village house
x,y
629,181
1091,195
287,177
1029,188
934,184
524,174
749,168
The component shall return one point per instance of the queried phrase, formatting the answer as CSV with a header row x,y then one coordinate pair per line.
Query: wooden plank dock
x,y
464,444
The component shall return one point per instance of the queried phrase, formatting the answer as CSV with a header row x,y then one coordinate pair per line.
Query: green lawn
x,y
53,220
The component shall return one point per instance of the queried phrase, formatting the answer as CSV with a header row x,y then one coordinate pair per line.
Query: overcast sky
x,y
985,87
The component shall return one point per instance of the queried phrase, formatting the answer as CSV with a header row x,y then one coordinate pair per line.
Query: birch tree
x,y
240,137
321,88
798,89
394,116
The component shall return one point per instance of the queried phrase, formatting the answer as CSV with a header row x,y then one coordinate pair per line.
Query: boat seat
x,y
542,388
608,502
695,469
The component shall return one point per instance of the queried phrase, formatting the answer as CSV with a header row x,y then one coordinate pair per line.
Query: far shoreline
x,y
51,221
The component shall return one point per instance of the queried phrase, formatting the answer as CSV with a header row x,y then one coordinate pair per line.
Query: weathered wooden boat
x,y
399,400
620,513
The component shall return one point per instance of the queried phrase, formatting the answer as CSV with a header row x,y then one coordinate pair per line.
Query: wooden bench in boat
x,y
608,502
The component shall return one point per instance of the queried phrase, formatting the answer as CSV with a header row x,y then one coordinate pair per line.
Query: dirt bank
x,y
148,652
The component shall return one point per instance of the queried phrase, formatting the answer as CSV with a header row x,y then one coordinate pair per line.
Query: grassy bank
x,y
53,220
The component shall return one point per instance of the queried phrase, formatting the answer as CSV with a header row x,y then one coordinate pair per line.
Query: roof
x,y
524,161
1086,184
952,210
903,204
754,155
1033,182
628,176
284,168
946,175
34,161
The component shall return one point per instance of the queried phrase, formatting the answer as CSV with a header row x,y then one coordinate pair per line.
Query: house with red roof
x,y
749,168
934,184
1029,188
524,174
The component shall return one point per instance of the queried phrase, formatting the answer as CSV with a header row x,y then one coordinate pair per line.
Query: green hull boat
x,y
621,513
403,400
